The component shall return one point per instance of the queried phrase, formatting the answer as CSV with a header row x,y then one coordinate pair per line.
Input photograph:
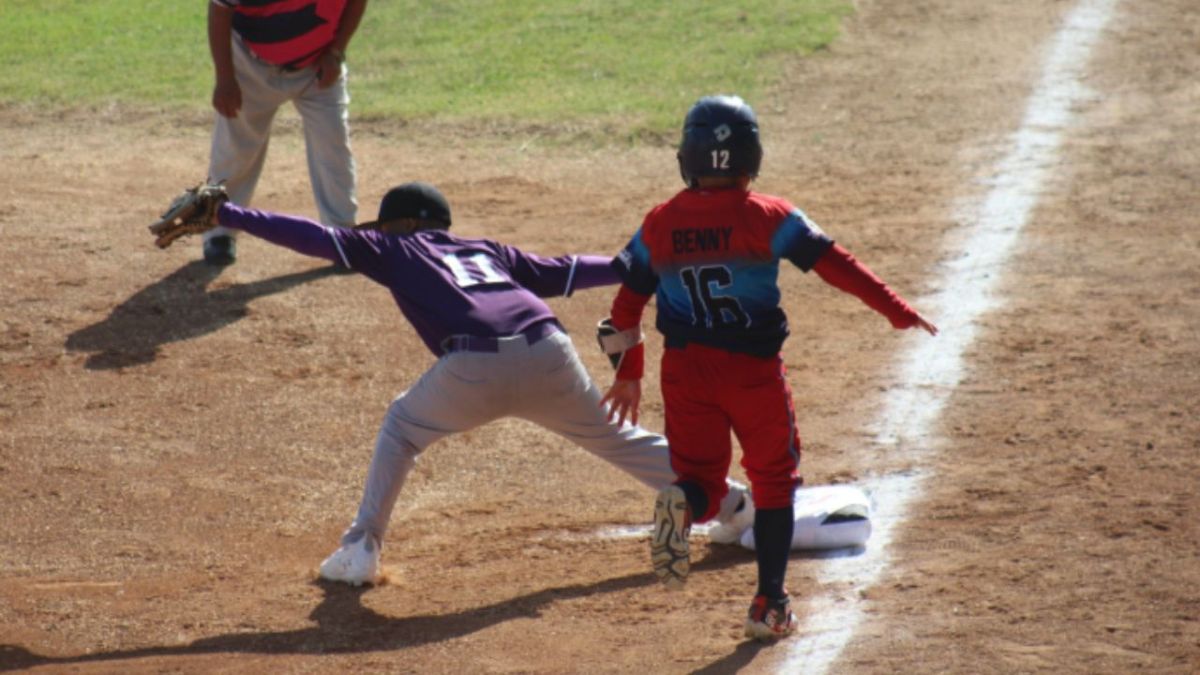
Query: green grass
x,y
83,52
631,66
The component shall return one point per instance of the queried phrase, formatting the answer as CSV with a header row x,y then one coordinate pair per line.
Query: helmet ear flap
x,y
688,179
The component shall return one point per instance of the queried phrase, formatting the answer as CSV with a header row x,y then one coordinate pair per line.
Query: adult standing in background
x,y
266,53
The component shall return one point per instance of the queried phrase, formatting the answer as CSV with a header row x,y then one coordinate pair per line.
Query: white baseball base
x,y
827,517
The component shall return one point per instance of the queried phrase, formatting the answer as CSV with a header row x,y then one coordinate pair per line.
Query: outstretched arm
x,y
299,234
592,271
838,268
561,276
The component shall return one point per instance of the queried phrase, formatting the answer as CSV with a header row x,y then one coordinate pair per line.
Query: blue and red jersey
x,y
289,33
712,259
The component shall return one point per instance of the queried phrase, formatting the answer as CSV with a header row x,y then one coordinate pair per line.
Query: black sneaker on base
x,y
220,250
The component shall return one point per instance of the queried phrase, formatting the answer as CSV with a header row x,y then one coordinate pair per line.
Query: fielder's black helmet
x,y
415,200
720,138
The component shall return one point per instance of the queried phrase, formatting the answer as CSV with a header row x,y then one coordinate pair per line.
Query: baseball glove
x,y
192,212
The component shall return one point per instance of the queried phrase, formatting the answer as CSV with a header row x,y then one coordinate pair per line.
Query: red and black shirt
x,y
286,33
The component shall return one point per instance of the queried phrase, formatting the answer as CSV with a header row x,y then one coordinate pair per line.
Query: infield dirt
x,y
180,446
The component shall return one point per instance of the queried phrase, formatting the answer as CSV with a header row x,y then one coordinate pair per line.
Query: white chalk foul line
x,y
931,368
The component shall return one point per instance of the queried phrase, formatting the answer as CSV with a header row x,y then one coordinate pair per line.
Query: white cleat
x,y
669,549
355,564
729,531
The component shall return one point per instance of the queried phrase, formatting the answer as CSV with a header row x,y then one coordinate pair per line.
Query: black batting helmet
x,y
415,200
720,138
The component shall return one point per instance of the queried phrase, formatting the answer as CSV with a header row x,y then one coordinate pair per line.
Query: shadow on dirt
x,y
344,625
177,307
736,661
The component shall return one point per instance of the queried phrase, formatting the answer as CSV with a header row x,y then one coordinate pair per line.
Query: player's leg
x,y
452,397
698,433
764,421
563,399
697,427
560,396
325,114
763,418
239,144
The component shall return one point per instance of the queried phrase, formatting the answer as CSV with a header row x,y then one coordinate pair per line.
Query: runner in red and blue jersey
x,y
710,256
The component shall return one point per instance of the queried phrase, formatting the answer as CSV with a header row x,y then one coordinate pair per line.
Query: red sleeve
x,y
838,268
626,313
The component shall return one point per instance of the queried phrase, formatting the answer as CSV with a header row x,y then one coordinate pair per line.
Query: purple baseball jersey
x,y
444,284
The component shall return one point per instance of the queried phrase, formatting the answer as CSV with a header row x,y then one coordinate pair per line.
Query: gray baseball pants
x,y
544,383
239,144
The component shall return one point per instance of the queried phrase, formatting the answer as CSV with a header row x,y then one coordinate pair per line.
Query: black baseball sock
x,y
772,544
696,499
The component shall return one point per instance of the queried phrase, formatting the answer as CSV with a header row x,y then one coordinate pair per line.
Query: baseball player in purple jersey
x,y
478,306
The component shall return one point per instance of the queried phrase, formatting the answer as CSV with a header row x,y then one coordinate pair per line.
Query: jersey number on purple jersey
x,y
472,270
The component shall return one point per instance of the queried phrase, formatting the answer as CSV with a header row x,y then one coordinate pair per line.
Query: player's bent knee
x,y
399,432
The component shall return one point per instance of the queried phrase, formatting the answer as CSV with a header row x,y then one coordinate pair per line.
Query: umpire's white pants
x,y
545,383
239,144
